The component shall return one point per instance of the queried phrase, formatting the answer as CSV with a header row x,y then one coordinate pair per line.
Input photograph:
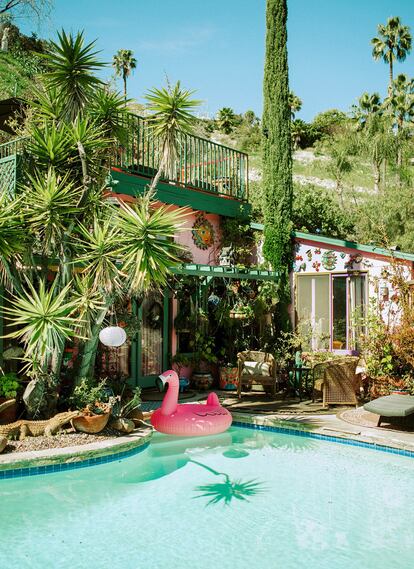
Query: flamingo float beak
x,y
161,381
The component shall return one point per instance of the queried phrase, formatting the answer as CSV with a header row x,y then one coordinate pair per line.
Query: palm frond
x,y
71,65
50,207
100,257
147,246
42,317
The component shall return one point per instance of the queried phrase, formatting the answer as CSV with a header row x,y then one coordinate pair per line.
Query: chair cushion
x,y
256,368
392,406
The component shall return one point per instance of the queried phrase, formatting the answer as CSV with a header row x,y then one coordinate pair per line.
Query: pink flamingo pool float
x,y
190,419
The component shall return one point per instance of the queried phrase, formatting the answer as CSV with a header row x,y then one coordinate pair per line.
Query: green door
x,y
152,340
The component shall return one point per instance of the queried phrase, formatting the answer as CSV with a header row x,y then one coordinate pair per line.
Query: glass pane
x,y
321,331
313,311
357,305
151,336
304,308
339,303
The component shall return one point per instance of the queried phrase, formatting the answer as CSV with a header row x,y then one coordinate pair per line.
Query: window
x,y
329,308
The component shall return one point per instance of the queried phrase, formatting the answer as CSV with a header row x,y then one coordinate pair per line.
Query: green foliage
x,y
171,115
71,64
329,122
89,394
124,63
9,385
203,348
315,210
44,319
277,156
226,120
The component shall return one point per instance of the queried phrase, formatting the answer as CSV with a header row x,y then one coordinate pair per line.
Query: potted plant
x,y
203,358
93,400
182,364
125,410
9,387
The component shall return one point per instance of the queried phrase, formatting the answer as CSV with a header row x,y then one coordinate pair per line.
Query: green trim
x,y
343,243
226,272
165,329
133,185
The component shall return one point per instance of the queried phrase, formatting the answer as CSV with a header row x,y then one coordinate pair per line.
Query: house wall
x,y
208,256
313,258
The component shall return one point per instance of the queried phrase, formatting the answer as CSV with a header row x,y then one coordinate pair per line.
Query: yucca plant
x,y
72,65
99,255
171,115
49,145
50,206
43,317
13,239
147,246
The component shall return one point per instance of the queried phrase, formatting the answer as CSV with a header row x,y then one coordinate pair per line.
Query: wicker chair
x,y
339,382
247,378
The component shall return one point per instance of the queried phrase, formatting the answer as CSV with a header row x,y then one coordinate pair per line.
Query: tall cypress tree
x,y
277,157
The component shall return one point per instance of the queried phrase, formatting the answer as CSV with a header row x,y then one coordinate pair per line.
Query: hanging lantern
x,y
113,336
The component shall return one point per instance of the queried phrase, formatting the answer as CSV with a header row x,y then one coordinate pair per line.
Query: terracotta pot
x,y
229,378
8,415
91,424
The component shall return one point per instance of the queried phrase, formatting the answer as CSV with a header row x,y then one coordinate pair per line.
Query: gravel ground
x,y
66,438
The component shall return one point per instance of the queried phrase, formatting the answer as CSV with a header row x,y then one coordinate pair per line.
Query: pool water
x,y
242,499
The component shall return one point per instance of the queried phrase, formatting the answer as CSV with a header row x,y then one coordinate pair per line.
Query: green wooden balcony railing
x,y
200,163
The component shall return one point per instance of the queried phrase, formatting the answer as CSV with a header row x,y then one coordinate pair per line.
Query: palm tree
x,y
171,116
226,120
392,44
400,103
367,106
124,62
295,104
401,100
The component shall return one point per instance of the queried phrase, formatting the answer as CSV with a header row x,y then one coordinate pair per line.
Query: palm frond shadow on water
x,y
227,490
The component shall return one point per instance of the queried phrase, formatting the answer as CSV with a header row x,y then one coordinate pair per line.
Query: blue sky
x,y
217,46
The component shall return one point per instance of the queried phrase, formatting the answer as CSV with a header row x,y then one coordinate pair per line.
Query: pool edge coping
x,y
303,429
30,463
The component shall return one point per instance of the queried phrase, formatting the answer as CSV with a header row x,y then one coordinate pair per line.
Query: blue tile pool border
x,y
329,438
74,465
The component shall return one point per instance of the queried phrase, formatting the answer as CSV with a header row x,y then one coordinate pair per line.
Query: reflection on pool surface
x,y
242,499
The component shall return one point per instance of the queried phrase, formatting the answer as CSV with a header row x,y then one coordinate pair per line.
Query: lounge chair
x,y
391,406
256,368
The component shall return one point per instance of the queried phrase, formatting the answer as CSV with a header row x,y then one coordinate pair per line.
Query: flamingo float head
x,y
169,376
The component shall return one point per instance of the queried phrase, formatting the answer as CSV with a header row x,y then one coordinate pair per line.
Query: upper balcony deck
x,y
200,163
201,168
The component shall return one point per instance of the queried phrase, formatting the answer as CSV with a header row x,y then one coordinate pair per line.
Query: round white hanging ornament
x,y
113,336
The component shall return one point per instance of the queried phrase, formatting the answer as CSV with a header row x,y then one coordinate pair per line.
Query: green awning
x,y
224,272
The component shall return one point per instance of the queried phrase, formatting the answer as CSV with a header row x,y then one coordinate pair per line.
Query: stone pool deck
x,y
329,425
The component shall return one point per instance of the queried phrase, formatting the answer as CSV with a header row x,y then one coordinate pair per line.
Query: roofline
x,y
343,243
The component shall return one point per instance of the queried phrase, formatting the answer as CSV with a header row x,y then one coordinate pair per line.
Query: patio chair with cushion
x,y
339,382
256,368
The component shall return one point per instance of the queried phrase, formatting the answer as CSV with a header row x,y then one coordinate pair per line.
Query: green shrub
x,y
9,385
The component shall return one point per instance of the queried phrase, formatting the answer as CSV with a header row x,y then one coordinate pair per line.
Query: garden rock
x,y
123,425
3,443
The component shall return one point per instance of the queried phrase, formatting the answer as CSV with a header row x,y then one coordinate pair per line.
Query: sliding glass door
x,y
329,308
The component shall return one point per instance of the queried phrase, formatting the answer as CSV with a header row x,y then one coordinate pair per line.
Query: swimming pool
x,y
242,499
